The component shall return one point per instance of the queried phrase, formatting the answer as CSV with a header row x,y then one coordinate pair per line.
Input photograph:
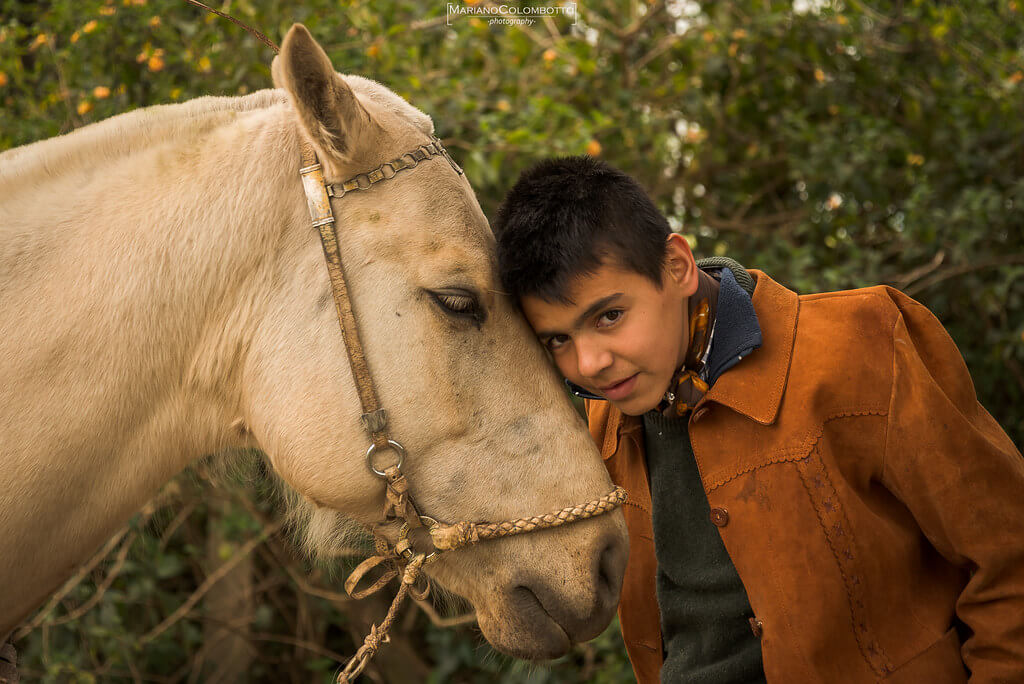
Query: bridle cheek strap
x,y
320,212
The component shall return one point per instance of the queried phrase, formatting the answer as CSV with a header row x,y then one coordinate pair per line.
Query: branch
x,y
539,40
1016,371
180,518
212,579
900,282
955,271
454,621
756,225
77,579
65,94
755,197
112,574
663,45
292,641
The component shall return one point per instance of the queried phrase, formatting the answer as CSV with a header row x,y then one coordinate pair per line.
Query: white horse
x,y
164,296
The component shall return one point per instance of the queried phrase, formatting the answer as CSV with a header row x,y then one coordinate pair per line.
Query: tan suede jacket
x,y
864,495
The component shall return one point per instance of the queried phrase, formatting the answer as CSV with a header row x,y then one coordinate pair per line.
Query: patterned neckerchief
x,y
689,383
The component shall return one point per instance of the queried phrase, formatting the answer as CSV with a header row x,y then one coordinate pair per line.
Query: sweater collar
x,y
737,330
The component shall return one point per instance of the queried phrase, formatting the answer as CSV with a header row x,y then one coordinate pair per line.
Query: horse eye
x,y
458,304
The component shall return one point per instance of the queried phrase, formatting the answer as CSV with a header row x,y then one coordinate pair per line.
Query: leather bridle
x,y
398,550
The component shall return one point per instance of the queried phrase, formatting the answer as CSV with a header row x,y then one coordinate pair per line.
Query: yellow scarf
x,y
687,387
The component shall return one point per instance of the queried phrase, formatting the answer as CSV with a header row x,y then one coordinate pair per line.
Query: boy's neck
x,y
707,288
702,307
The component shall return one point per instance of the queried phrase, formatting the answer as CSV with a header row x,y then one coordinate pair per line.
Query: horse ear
x,y
331,115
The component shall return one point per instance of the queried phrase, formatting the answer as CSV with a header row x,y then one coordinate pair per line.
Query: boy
x,y
816,494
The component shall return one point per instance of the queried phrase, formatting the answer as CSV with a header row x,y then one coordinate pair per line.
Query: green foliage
x,y
848,145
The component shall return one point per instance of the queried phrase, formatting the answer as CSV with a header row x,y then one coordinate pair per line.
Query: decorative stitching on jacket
x,y
633,503
798,452
836,526
786,455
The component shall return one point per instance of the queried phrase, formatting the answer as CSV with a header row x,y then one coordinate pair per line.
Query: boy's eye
x,y
557,341
609,317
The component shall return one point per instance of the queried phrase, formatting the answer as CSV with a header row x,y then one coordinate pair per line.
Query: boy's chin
x,y
635,406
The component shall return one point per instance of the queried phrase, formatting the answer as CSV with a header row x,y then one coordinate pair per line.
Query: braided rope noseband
x,y
397,550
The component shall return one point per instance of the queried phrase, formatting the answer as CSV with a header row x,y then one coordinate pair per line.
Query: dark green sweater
x,y
704,608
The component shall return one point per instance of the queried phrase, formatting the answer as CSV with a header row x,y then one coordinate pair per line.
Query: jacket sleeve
x,y
962,478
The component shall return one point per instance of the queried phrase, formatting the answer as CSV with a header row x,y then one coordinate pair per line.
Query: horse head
x,y
488,431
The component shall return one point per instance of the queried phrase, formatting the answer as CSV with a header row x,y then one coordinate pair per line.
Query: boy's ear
x,y
333,119
680,265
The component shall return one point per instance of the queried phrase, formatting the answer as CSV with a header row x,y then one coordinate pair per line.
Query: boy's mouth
x,y
621,389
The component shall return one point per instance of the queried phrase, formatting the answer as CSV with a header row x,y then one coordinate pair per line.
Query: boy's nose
x,y
591,359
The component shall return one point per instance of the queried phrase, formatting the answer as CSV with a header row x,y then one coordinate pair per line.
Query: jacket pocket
x,y
940,663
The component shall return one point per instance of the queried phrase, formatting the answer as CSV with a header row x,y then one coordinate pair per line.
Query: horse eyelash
x,y
461,304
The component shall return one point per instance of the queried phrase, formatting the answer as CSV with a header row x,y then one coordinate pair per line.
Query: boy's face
x,y
621,337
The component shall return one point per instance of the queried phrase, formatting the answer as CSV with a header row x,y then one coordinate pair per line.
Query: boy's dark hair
x,y
564,216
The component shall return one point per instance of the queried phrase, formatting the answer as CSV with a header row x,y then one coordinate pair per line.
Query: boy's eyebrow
x,y
590,311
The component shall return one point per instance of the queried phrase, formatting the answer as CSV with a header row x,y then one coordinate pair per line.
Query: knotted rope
x,y
379,634
445,537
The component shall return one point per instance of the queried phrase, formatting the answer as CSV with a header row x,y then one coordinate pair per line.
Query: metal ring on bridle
x,y
399,449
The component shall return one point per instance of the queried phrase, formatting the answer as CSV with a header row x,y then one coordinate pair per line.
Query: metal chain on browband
x,y
387,170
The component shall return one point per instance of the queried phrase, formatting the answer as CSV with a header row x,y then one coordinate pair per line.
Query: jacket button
x,y
757,627
699,413
720,517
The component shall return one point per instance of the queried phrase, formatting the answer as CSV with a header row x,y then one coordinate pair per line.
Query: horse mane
x,y
123,134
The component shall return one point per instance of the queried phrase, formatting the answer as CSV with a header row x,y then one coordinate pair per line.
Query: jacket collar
x,y
753,388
